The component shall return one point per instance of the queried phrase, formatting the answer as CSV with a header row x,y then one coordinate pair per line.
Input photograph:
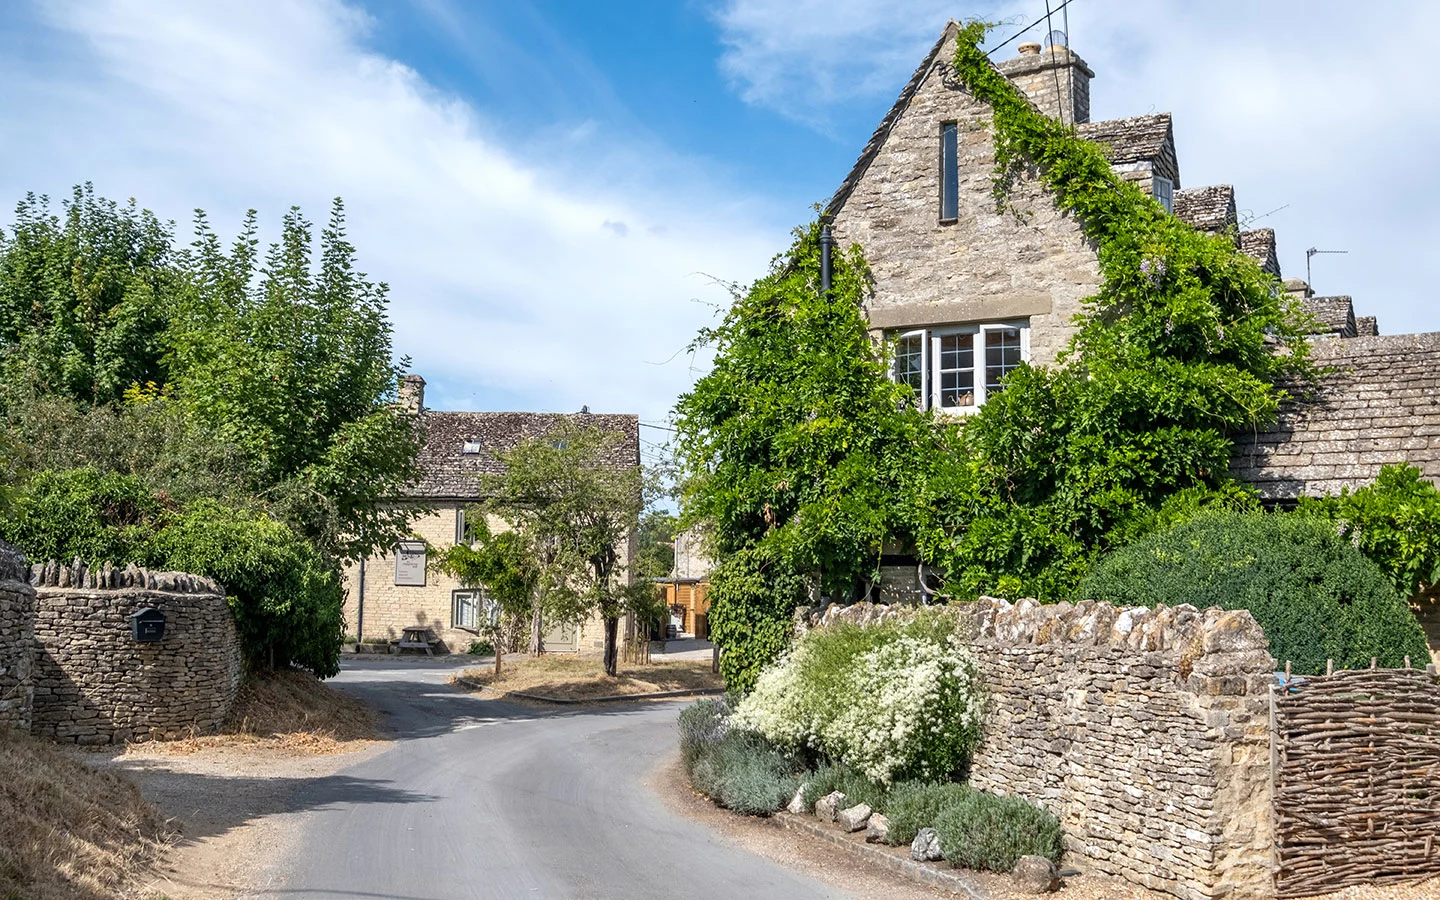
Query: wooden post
x,y
715,659
1329,667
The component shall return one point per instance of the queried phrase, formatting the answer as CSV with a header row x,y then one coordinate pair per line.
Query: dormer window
x,y
1163,190
954,368
471,447
949,172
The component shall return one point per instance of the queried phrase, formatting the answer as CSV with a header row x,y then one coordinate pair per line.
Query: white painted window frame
x,y
1165,198
930,360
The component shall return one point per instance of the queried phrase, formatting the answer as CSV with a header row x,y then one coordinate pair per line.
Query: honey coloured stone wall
x,y
17,640
95,684
1145,731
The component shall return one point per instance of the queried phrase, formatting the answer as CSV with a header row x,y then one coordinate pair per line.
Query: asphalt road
x,y
481,799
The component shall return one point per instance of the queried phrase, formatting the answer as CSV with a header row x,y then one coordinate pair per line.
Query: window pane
x,y
1002,356
949,171
957,370
910,364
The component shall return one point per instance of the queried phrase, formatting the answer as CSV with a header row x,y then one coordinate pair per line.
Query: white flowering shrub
x,y
896,700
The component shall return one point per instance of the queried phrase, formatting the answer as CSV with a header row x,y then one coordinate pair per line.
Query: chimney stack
x,y
412,394
1056,80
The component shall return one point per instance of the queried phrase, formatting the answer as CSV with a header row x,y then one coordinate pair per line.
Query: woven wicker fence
x,y
1355,762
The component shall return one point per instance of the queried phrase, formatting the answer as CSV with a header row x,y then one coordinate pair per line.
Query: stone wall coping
x,y
1184,628
78,576
12,564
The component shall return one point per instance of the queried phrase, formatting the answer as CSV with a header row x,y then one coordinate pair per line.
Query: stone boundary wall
x,y
17,641
1145,731
94,684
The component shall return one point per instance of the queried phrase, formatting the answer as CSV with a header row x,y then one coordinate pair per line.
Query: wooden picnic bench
x,y
417,637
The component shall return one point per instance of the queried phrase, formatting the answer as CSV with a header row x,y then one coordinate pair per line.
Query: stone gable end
x,y
1027,262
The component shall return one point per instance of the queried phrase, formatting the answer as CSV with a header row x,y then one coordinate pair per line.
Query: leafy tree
x,y
1315,595
85,299
575,505
1395,522
292,363
655,545
503,565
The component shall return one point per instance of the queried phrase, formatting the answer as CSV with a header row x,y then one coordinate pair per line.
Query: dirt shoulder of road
x,y
581,678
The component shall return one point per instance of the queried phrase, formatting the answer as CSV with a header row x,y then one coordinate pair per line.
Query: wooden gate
x,y
1355,767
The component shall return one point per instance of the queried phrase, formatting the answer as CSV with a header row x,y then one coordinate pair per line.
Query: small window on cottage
x,y
954,368
1164,192
466,609
464,532
949,171
472,446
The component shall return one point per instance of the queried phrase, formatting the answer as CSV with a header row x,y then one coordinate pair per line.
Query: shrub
x,y
913,805
1313,593
986,831
286,597
892,701
702,725
743,772
1395,522
856,787
82,512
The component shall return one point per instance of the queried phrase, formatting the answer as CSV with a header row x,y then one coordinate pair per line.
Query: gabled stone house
x,y
392,591
969,292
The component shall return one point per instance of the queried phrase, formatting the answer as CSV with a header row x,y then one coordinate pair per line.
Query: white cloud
x,y
1318,107
509,285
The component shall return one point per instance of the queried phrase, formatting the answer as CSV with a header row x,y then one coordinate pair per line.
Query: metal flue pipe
x,y
827,243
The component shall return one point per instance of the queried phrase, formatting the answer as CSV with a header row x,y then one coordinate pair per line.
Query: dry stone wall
x,y
95,684
17,640
1145,731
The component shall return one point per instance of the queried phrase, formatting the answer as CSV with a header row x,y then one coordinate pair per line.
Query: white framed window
x,y
953,368
470,609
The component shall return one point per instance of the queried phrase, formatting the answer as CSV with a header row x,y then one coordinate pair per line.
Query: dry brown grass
x,y
584,678
68,832
289,712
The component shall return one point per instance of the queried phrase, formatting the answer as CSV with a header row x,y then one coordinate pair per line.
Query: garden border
x,y
915,871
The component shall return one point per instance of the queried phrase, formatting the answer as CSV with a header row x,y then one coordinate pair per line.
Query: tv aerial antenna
x,y
1313,252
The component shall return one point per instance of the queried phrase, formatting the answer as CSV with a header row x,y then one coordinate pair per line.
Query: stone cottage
x,y
392,591
969,292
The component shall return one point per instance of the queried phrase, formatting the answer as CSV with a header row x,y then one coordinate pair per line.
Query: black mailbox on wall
x,y
147,625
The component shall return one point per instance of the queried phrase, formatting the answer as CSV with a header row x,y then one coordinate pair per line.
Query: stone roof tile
x,y
1336,314
447,471
1210,208
1378,403
1260,246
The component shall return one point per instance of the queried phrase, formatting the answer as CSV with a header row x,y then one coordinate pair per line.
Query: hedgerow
x,y
1316,597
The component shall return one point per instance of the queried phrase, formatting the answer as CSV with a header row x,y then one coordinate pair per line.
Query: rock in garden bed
x,y
827,807
854,818
1035,875
926,846
877,830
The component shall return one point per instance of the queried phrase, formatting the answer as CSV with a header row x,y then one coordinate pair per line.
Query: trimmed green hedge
x,y
1314,594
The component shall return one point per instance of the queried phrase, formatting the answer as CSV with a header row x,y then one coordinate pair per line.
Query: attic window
x,y
1164,192
949,171
472,446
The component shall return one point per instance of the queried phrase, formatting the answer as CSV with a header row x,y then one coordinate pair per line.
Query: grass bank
x,y
567,677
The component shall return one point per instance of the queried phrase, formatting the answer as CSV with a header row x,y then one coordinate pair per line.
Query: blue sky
x,y
557,192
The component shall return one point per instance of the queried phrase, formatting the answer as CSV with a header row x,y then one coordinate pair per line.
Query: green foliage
x,y
793,450
1182,346
913,805
985,831
84,299
854,784
291,363
655,545
480,648
741,771
752,604
82,513
894,700
285,595
573,507
702,724
1395,522
502,564
1313,593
